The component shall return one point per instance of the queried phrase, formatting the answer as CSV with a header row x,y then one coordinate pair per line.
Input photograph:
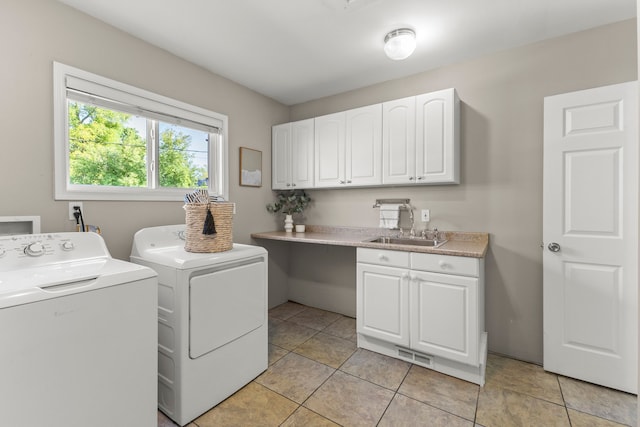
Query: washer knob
x,y
34,249
67,246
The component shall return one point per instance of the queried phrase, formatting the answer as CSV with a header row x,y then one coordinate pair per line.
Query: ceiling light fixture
x,y
400,44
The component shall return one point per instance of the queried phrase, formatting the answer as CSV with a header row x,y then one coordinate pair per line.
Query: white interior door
x,y
590,235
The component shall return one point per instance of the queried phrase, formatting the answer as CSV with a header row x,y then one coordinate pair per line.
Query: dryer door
x,y
225,305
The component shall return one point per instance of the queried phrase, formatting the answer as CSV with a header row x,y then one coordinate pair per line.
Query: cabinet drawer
x,y
463,266
383,257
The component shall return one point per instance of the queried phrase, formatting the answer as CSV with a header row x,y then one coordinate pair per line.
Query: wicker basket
x,y
195,241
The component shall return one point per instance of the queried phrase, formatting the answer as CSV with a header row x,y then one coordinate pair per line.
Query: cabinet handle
x,y
349,182
382,257
341,181
293,185
443,265
411,178
405,275
288,185
420,178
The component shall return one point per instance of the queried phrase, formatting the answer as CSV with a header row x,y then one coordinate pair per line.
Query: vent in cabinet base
x,y
423,359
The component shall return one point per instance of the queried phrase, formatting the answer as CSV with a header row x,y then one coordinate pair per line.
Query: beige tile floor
x,y
318,377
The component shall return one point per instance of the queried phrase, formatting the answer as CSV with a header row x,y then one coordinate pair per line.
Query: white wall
x,y
35,33
638,51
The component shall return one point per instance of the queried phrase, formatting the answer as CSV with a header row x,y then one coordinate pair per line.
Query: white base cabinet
x,y
424,308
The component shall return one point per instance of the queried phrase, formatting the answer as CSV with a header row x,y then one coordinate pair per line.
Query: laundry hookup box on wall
x,y
14,225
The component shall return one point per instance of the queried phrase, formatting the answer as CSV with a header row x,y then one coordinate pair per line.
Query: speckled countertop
x,y
458,243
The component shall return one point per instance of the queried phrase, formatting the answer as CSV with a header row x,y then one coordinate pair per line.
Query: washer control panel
x,y
30,250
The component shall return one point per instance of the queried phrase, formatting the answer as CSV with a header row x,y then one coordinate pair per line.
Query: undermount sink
x,y
406,241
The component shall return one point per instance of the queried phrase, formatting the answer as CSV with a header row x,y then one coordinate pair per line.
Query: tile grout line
x,y
475,413
564,402
395,393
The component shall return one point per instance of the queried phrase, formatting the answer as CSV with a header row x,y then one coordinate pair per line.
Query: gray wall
x,y
638,47
501,190
36,32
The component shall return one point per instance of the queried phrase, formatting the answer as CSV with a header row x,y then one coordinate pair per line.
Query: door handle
x,y
554,247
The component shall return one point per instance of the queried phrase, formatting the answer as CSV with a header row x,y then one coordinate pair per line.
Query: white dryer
x,y
212,319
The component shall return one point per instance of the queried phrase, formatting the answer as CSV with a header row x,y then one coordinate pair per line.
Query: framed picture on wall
x,y
250,167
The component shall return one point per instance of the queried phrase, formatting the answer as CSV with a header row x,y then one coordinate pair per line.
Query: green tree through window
x,y
103,150
109,148
177,168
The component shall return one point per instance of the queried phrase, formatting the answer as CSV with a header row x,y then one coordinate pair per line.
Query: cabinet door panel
x,y
437,137
363,154
302,154
383,303
444,316
329,150
280,160
399,141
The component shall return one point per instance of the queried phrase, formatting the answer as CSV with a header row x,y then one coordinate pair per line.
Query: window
x,y
117,142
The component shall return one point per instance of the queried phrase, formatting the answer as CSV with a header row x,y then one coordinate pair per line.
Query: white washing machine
x,y
78,334
212,319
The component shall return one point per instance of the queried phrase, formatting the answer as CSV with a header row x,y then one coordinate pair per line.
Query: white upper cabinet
x,y
421,139
280,156
414,140
438,138
348,148
292,155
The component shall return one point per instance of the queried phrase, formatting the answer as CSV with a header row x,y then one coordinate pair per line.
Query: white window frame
x,y
66,77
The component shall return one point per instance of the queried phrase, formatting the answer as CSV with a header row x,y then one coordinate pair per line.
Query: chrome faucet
x,y
424,234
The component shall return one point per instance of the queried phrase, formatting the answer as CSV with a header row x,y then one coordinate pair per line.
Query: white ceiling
x,y
298,50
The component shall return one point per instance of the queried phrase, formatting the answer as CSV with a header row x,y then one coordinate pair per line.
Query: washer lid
x,y
26,285
165,246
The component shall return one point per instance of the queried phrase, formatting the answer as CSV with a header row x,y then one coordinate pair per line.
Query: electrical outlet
x,y
426,217
71,210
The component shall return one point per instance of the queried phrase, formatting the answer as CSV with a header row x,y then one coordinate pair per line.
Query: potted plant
x,y
289,202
